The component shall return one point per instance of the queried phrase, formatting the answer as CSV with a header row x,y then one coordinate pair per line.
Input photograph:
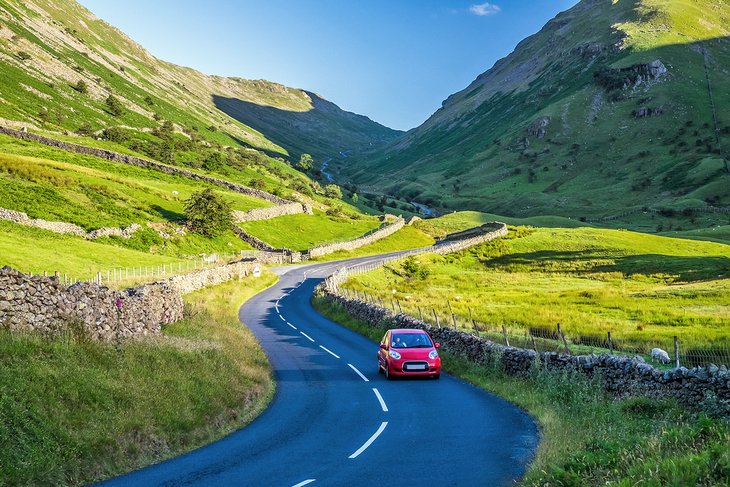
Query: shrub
x,y
81,87
414,269
257,183
305,163
114,106
207,213
332,191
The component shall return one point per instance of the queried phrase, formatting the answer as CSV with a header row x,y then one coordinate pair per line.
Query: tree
x,y
305,163
207,213
114,106
355,197
332,191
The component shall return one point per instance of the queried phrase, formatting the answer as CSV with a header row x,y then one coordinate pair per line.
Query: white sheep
x,y
660,355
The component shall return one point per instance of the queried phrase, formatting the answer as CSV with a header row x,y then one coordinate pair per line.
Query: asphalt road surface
x,y
335,421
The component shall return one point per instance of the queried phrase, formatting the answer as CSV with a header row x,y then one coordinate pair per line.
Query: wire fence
x,y
120,275
550,339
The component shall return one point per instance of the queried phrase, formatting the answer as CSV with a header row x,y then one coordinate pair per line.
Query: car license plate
x,y
417,367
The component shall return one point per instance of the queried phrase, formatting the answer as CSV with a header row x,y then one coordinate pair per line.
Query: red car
x,y
408,352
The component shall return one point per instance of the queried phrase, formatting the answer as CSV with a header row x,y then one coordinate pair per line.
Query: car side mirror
x,y
437,345
384,346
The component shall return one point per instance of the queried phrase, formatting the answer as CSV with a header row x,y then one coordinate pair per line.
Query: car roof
x,y
407,330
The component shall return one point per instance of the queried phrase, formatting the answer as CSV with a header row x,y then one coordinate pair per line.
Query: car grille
x,y
415,366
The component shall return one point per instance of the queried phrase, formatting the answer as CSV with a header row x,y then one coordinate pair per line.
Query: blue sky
x,y
392,60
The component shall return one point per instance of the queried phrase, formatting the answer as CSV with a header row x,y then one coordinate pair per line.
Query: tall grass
x,y
73,411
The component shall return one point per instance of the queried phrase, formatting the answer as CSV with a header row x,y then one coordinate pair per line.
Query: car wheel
x,y
387,372
380,368
437,377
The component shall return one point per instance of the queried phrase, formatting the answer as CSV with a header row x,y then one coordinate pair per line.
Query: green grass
x,y
462,220
589,439
407,237
74,411
91,192
643,289
34,250
302,232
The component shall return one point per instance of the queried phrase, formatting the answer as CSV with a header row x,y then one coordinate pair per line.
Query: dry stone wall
x,y
255,214
44,304
67,228
374,236
620,375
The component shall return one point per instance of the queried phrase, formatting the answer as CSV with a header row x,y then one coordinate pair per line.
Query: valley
x,y
602,142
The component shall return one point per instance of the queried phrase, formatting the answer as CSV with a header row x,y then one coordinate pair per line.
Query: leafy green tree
x,y
305,163
114,106
332,191
207,213
355,197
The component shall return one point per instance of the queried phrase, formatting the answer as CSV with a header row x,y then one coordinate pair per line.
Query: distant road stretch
x,y
335,421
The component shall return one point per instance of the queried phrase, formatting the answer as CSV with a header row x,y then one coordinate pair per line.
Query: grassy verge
x,y
588,438
74,411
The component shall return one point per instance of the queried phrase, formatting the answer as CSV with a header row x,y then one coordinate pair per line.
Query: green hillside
x,y
613,105
59,64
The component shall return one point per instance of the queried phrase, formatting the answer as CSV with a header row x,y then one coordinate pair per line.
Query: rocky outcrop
x,y
538,128
644,112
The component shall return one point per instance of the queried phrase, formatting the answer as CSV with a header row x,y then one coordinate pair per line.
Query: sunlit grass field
x,y
643,289
302,232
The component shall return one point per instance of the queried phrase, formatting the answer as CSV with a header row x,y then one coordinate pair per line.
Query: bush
x,y
114,106
332,191
257,183
207,213
305,163
81,87
414,269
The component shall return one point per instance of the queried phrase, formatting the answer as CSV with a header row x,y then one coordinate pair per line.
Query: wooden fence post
x,y
420,314
504,332
436,317
676,352
399,307
610,343
562,337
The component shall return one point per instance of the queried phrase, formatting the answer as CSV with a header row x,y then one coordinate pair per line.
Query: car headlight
x,y
433,354
394,354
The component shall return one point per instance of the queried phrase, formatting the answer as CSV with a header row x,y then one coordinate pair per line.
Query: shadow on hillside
x,y
323,131
587,262
167,214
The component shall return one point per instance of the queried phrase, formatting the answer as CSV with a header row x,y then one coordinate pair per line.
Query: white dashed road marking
x,y
370,441
307,336
380,399
359,373
304,482
329,352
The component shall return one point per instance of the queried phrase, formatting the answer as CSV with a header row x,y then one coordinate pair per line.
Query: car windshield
x,y
411,340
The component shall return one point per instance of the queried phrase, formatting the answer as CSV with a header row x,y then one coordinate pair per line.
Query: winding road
x,y
335,421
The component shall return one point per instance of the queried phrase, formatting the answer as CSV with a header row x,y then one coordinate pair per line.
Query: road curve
x,y
335,421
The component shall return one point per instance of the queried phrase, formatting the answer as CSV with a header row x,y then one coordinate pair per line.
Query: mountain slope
x,y
607,107
48,47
